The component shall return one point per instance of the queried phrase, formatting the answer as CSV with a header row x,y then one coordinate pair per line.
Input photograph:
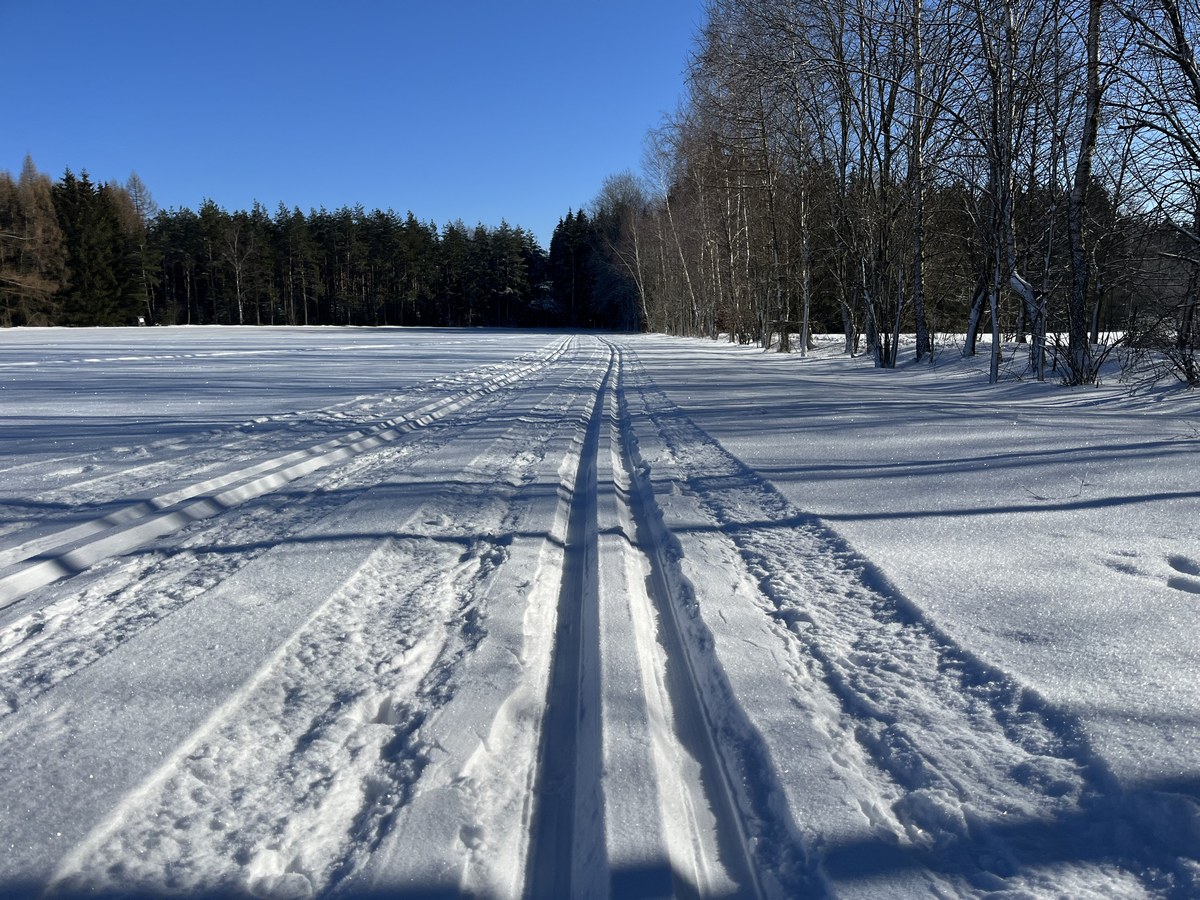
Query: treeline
x,y
77,253
1028,168
878,167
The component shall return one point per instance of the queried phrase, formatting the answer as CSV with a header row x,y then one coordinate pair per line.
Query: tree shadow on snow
x,y
1148,830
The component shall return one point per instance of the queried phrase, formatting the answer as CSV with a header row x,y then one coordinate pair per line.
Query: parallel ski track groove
x,y
566,834
413,693
800,557
49,558
42,638
554,843
38,645
731,762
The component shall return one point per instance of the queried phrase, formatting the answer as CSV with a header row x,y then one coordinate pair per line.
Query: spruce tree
x,y
101,285
571,271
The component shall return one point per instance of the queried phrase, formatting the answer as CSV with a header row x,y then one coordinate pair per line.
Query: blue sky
x,y
476,110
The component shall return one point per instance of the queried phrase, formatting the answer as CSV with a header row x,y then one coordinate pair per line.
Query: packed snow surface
x,y
342,612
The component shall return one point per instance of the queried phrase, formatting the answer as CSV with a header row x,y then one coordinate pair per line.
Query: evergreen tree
x,y
571,273
419,262
455,259
80,254
101,286
295,265
212,297
137,209
511,283
176,242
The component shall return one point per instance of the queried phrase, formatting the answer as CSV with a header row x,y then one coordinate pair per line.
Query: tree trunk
x,y
975,317
924,346
1079,350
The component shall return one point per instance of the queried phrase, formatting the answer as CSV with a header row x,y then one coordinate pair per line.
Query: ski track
x,y
338,715
39,647
34,665
56,493
34,561
122,596
735,818
541,652
977,771
468,828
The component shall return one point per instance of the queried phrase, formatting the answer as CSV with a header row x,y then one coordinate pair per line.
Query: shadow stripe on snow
x,y
567,824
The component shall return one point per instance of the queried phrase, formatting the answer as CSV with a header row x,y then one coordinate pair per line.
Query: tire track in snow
x,y
961,772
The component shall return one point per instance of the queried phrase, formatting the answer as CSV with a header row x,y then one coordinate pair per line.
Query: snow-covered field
x,y
361,612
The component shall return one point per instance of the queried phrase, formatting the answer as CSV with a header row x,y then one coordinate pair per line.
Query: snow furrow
x,y
567,829
468,829
707,825
127,468
39,561
961,773
52,634
43,642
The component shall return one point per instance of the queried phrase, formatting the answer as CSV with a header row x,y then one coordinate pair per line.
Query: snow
x,y
1046,528
313,611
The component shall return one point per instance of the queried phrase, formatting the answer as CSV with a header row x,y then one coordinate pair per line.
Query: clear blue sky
x,y
513,109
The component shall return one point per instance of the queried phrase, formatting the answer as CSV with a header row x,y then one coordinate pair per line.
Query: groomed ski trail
x,y
600,771
30,562
527,632
49,634
162,662
911,766
337,713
